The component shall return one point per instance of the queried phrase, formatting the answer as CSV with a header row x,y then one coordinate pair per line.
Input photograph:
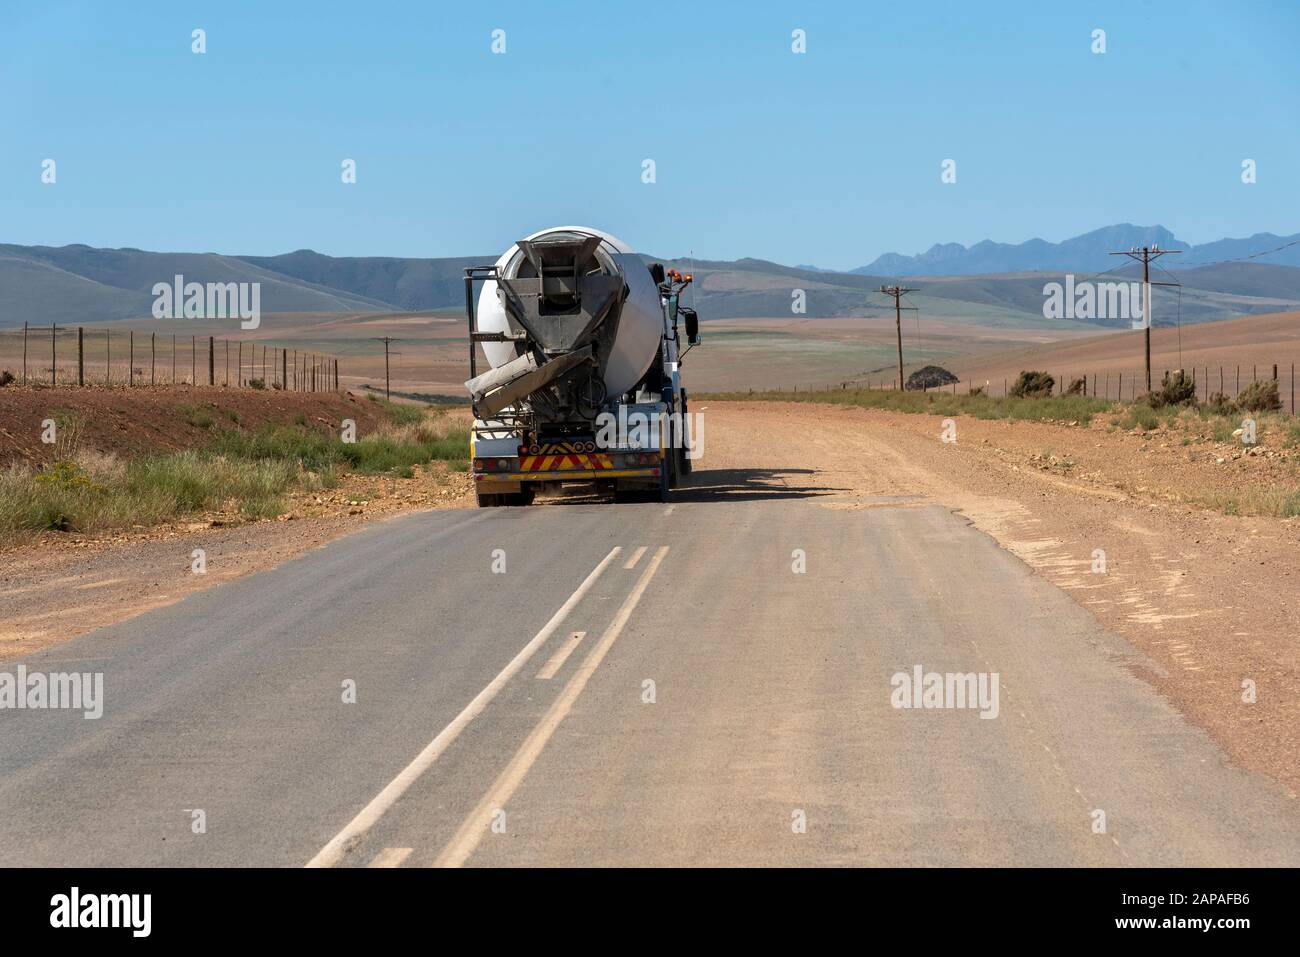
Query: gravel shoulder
x,y
62,585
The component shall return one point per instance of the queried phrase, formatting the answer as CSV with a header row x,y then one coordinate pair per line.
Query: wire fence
x,y
1226,380
74,355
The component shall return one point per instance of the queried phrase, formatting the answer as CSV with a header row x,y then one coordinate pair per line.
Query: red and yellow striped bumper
x,y
592,461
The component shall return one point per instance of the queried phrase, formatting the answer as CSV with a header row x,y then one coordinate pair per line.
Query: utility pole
x,y
388,394
898,292
1145,255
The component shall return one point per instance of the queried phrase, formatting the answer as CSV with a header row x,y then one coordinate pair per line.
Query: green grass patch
x,y
65,496
314,449
198,418
401,414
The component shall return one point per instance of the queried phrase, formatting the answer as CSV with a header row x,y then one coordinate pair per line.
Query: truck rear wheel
x,y
488,501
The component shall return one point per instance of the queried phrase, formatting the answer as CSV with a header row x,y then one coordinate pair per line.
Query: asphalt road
x,y
718,706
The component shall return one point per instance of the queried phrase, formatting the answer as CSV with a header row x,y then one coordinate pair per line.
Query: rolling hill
x,y
78,284
75,284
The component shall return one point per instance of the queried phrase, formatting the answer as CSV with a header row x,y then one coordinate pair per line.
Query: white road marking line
x,y
636,557
561,656
356,829
467,838
391,857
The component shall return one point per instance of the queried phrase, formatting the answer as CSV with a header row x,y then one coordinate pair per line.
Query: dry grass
x,y
86,491
1274,502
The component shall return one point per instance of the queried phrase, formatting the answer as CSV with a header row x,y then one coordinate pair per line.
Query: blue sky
x,y
830,157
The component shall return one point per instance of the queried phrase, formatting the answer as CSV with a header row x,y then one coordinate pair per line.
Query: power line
x,y
1241,259
388,392
1146,255
1180,311
897,293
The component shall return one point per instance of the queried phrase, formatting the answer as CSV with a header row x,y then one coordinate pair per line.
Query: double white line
x,y
467,838
460,847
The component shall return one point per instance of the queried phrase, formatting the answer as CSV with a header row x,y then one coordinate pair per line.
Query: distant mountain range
x,y
1087,253
990,283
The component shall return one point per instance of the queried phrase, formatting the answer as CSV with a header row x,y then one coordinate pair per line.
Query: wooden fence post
x,y
81,356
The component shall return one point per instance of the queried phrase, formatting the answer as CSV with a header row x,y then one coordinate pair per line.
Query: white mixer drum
x,y
640,323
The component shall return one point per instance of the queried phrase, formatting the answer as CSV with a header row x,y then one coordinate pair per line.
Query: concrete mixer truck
x,y
584,384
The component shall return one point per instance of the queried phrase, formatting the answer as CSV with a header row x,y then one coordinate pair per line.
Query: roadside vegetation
x,y
1068,408
85,491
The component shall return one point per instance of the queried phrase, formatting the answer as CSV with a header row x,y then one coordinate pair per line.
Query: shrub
x,y
1219,404
257,383
1259,396
929,377
1177,388
1033,385
1141,416
1077,386
6,377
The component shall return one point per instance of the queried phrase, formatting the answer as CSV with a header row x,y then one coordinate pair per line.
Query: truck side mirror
x,y
692,326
